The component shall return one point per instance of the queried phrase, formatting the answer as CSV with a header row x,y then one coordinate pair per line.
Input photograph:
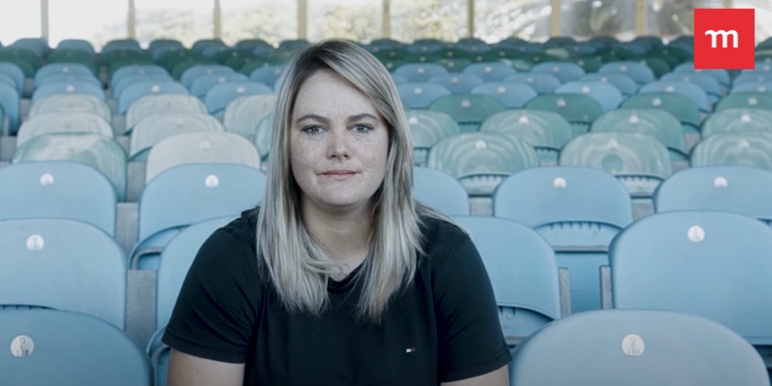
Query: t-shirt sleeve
x,y
214,317
471,342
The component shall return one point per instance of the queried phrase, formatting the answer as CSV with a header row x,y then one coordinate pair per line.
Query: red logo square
x,y
724,38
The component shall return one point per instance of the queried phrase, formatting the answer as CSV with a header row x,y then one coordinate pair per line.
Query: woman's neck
x,y
344,235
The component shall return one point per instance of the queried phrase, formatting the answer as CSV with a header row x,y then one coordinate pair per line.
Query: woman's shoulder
x,y
243,228
440,234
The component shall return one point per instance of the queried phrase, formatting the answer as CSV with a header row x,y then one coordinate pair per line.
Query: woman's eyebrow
x,y
313,117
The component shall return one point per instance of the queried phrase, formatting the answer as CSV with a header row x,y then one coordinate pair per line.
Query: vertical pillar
x,y
640,17
44,32
302,19
217,22
555,29
470,18
131,27
386,19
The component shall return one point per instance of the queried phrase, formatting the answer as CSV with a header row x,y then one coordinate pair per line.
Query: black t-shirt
x,y
444,327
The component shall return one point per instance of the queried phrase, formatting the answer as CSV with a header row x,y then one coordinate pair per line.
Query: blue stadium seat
x,y
695,93
541,83
622,82
130,79
157,127
420,72
480,161
636,348
63,123
219,96
67,87
737,189
638,72
743,148
187,194
196,71
706,82
162,104
420,95
63,264
69,69
490,71
268,75
578,211
58,189
607,96
457,83
523,273
13,70
440,191
201,85
11,106
512,95
138,69
95,150
564,71
143,88
546,131
50,347
71,103
706,263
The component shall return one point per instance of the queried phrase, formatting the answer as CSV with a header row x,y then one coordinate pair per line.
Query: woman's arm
x,y
498,377
189,370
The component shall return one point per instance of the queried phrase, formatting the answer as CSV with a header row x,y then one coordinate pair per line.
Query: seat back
x,y
440,191
58,189
578,210
63,123
512,95
658,123
95,150
638,160
143,88
157,127
522,270
761,100
420,95
162,104
480,161
711,264
607,96
578,109
200,147
63,264
737,119
219,96
546,131
636,348
243,113
468,110
564,71
51,347
71,103
490,71
749,148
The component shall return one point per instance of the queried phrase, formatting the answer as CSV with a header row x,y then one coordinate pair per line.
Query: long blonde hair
x,y
297,266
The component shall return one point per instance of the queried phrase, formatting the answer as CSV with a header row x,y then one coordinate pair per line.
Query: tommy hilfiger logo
x,y
410,350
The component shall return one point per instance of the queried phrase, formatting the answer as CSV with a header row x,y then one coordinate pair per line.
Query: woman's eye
x,y
312,130
362,128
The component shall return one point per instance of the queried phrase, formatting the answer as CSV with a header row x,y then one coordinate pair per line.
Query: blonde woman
x,y
339,278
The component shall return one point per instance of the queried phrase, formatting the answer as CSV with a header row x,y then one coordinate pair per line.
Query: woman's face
x,y
338,144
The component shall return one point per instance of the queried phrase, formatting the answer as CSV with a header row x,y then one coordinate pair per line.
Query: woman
x,y
339,278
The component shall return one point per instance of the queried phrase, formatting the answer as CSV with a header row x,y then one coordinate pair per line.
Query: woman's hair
x,y
296,264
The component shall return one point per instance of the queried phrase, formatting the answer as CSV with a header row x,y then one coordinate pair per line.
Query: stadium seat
x,y
480,161
468,110
578,109
706,82
490,71
607,96
541,83
11,106
655,122
95,150
738,189
219,96
267,75
157,127
67,87
63,264
70,69
546,131
749,148
420,95
679,105
638,160
187,194
638,72
523,273
138,69
58,189
63,123
761,100
752,87
622,82
194,72
162,104
203,83
456,83
737,119
127,80
263,138
636,347
511,94
690,90
578,210
200,147
50,347
440,191
706,263
143,88
420,72
13,70
242,114
564,71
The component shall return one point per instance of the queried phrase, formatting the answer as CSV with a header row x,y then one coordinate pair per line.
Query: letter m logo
x,y
724,38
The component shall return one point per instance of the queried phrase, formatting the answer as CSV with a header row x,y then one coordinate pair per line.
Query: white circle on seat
x,y
633,345
696,234
559,183
35,243
211,181
47,179
22,346
720,182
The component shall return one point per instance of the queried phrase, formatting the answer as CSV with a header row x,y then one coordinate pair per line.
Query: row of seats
x,y
681,261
